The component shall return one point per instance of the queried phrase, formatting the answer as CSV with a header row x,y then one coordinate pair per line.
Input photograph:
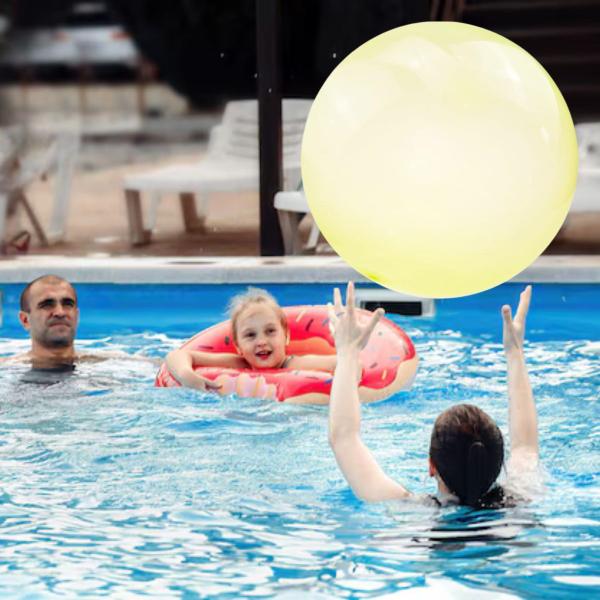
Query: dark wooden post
x,y
268,58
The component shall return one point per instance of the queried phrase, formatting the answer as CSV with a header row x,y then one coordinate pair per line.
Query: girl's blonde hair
x,y
253,295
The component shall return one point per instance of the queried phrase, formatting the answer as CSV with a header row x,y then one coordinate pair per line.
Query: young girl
x,y
260,336
466,450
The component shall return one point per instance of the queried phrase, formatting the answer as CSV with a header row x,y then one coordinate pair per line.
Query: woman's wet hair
x,y
253,295
467,450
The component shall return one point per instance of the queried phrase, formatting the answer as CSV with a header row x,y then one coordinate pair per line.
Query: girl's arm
x,y
523,430
314,362
358,465
181,365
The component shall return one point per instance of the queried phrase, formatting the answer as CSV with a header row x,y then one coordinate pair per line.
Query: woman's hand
x,y
514,329
348,333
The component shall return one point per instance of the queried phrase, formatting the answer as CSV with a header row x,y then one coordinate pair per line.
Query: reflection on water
x,y
111,487
455,529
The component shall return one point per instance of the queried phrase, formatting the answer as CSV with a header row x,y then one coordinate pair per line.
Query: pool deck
x,y
96,247
252,269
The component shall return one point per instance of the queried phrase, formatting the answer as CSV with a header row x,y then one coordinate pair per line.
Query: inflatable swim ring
x,y
389,361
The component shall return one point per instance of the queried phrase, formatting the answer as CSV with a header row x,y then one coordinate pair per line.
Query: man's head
x,y
49,312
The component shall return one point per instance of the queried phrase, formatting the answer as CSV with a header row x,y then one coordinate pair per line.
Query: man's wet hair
x,y
24,302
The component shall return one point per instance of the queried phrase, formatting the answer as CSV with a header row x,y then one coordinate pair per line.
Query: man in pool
x,y
49,312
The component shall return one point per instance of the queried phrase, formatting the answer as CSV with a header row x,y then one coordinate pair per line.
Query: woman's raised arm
x,y
522,414
362,472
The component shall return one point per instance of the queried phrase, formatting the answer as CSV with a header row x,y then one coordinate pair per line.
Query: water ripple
x,y
111,487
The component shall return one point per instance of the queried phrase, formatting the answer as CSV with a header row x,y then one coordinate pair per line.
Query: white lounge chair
x,y
19,168
230,164
587,194
292,209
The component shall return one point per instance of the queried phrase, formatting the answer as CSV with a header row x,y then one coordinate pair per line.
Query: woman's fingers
x,y
507,322
331,311
375,317
350,298
337,301
346,322
524,301
333,320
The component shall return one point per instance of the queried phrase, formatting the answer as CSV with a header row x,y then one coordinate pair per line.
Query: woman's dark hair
x,y
467,450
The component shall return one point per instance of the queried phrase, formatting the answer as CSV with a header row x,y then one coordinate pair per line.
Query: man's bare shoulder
x,y
100,356
80,357
24,358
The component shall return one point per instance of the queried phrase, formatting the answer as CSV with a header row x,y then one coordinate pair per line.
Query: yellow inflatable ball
x,y
439,159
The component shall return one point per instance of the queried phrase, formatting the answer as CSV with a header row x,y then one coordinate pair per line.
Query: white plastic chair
x,y
292,208
230,164
587,193
19,168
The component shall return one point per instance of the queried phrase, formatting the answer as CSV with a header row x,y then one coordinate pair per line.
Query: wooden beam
x,y
268,58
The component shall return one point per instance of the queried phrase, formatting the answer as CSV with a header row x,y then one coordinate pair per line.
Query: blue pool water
x,y
110,487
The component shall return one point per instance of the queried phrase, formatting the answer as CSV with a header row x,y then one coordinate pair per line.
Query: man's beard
x,y
51,340
59,342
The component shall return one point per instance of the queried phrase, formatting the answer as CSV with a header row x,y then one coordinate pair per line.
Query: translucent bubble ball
x,y
439,159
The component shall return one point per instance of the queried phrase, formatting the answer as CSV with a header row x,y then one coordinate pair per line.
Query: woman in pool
x,y
466,450
260,335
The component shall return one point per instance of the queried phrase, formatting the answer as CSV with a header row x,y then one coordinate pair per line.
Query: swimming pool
x,y
111,487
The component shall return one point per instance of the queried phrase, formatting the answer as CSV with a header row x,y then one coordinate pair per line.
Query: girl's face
x,y
260,337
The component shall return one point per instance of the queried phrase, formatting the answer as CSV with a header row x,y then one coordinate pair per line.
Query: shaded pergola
x,y
269,93
213,50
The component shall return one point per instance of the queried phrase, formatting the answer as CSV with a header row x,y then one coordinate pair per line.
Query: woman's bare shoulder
x,y
525,481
